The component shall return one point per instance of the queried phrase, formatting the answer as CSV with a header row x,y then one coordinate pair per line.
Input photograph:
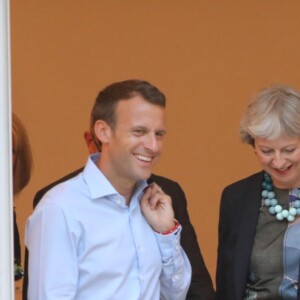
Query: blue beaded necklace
x,y
270,201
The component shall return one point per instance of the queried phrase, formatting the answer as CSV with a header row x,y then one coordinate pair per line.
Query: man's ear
x,y
102,131
88,137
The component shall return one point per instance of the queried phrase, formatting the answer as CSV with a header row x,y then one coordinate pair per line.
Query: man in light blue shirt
x,y
107,234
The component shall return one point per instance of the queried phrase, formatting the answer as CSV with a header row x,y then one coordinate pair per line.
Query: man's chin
x,y
145,175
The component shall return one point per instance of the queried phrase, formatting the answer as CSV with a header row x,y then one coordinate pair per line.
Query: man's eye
x,y
138,132
160,134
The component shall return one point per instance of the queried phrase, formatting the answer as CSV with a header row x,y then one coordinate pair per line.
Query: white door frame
x,y
6,198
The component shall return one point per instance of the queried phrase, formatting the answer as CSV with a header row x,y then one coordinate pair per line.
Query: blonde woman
x,y
22,166
259,228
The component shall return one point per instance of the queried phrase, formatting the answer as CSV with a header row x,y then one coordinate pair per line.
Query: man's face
x,y
135,142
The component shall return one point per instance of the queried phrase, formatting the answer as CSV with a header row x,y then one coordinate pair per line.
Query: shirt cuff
x,y
169,244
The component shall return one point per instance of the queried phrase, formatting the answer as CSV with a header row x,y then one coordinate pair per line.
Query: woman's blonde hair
x,y
23,157
273,112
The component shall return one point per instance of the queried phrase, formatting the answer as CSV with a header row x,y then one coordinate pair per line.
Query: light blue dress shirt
x,y
85,243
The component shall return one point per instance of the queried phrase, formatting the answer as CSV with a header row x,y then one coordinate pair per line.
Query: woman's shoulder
x,y
248,182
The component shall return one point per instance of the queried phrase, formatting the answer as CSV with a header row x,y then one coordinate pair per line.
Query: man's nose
x,y
151,142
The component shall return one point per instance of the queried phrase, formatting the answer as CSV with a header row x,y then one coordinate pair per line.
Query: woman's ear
x,y
102,131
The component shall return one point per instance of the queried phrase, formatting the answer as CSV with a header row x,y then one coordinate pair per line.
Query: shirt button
x,y
175,277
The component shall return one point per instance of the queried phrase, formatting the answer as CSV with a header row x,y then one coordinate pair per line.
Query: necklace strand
x,y
269,200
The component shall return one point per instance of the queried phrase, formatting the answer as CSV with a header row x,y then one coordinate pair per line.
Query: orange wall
x,y
208,57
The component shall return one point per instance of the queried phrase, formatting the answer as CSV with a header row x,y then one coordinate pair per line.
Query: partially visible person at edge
x,y
259,226
22,166
109,210
201,287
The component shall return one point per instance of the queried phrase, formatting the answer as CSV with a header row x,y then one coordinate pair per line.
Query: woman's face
x,y
280,158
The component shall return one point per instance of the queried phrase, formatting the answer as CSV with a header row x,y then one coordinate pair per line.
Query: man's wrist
x,y
171,230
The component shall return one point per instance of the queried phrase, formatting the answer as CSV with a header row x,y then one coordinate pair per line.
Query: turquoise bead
x,y
264,184
285,213
297,204
273,202
272,210
269,187
279,217
271,195
267,177
267,202
278,208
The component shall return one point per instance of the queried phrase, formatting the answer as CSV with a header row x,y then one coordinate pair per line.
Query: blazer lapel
x,y
247,225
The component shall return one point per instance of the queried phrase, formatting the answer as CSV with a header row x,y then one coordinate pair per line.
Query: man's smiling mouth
x,y
143,157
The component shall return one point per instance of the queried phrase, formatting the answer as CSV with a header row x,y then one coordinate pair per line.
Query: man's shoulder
x,y
158,178
38,196
164,182
170,187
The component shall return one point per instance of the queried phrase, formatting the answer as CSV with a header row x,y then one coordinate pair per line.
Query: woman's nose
x,y
278,160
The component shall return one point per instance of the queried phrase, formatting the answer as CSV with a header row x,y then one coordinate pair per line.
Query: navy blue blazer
x,y
17,245
239,211
201,287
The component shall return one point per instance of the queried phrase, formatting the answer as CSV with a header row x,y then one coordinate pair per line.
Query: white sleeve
x,y
52,266
176,273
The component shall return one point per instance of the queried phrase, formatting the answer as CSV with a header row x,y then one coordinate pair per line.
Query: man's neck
x,y
124,187
126,193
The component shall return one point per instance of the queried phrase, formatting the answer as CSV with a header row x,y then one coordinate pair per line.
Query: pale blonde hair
x,y
273,112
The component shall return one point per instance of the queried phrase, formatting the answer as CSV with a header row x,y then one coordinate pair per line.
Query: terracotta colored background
x,y
209,57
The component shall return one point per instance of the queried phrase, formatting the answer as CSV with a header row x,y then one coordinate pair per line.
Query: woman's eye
x,y
289,150
266,152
